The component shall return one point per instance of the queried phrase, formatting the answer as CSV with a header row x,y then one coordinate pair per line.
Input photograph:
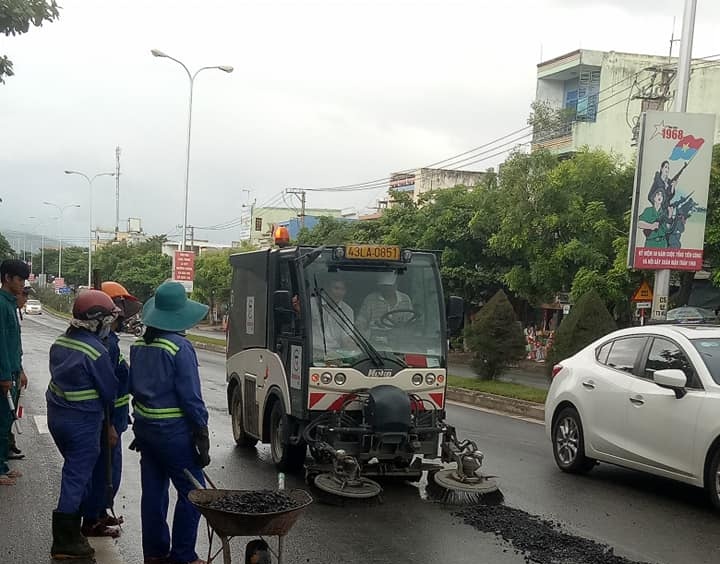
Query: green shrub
x,y
49,298
587,321
495,337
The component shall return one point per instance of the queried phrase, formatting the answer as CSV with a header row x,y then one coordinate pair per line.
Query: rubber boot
x,y
68,542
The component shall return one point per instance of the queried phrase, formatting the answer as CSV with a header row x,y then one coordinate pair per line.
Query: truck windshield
x,y
397,312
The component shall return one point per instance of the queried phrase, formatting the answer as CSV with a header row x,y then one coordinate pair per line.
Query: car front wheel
x,y
713,482
569,443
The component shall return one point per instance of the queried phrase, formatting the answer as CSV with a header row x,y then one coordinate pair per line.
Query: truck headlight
x,y
417,379
325,378
430,378
340,378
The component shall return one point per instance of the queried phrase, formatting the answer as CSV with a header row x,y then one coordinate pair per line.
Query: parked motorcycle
x,y
135,326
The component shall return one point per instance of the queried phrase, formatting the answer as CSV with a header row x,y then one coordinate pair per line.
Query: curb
x,y
207,347
510,406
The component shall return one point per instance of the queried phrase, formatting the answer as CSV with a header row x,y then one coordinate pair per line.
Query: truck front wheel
x,y
238,425
287,457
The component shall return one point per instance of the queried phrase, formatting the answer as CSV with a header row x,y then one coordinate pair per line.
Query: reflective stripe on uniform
x,y
79,346
164,344
77,395
122,401
158,413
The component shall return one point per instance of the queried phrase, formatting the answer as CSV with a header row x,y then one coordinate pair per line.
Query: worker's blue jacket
x,y
82,377
121,414
165,385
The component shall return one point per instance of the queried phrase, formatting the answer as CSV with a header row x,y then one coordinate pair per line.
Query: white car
x,y
33,307
646,398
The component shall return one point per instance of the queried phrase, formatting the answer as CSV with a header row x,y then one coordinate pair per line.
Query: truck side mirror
x,y
455,314
282,302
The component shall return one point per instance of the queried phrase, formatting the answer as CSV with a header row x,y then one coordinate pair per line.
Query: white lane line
x,y
106,550
494,412
41,424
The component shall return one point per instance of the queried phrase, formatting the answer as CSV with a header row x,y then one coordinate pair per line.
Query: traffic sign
x,y
643,293
643,305
184,269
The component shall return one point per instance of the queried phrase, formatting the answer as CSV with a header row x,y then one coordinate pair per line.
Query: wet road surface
x,y
641,517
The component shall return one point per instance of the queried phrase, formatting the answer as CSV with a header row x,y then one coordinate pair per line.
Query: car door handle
x,y
589,384
637,400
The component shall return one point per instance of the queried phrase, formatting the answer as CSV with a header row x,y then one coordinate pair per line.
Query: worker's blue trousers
x,y
77,436
97,501
164,455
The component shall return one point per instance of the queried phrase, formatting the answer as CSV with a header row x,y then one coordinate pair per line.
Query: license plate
x,y
373,252
379,373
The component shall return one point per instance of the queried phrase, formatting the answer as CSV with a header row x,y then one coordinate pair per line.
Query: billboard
x,y
184,269
245,219
667,228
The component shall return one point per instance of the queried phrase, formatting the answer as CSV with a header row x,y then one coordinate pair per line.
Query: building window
x,y
258,224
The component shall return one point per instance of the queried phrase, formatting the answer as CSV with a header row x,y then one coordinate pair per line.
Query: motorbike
x,y
135,326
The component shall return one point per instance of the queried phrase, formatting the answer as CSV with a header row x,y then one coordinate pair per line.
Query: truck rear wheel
x,y
287,457
238,425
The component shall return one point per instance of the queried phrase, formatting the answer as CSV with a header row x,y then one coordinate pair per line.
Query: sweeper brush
x,y
465,484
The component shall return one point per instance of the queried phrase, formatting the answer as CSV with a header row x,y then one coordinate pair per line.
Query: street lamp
x,y
90,185
191,76
61,209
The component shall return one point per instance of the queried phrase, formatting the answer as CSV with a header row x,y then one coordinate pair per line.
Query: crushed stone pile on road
x,y
539,540
261,501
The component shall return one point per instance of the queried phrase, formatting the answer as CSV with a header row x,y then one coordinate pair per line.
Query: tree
x,y
6,251
213,279
587,321
16,16
495,337
561,220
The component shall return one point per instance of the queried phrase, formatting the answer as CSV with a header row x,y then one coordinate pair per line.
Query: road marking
x,y
41,424
495,412
106,550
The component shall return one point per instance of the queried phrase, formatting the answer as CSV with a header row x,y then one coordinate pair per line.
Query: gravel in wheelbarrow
x,y
235,513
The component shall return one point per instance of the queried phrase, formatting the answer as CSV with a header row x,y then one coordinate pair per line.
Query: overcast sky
x,y
324,93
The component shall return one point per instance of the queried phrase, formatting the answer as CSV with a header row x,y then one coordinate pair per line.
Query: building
x,y
132,235
427,179
199,247
601,95
264,219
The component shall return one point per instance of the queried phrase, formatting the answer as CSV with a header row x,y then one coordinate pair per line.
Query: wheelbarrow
x,y
228,525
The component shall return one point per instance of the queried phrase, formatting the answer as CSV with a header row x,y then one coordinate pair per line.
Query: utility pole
x,y
301,194
662,277
117,192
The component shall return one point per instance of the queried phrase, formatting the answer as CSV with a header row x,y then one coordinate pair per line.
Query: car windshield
x,y
380,313
709,350
33,302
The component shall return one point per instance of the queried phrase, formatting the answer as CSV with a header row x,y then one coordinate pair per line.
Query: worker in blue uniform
x,y
170,423
96,520
82,386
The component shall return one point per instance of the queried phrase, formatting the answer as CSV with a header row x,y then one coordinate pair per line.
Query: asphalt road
x,y
641,517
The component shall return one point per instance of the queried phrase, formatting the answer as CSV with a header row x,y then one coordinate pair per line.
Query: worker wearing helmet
x,y
170,423
96,520
82,387
20,381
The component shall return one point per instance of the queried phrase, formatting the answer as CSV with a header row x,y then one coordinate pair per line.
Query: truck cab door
x,y
290,333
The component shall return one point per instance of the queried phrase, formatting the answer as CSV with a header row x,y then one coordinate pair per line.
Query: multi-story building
x,y
601,96
427,179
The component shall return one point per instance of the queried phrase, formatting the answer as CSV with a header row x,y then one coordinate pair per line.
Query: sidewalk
x,y
532,376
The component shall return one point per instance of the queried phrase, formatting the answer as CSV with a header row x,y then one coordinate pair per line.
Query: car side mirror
x,y
455,314
282,303
672,379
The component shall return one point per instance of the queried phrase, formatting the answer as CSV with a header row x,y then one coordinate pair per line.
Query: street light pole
x,y
191,77
90,185
661,291
61,209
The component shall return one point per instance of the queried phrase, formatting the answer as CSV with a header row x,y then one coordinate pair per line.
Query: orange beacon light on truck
x,y
281,236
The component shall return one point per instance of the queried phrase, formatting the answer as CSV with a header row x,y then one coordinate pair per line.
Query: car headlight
x,y
430,378
325,378
340,378
417,379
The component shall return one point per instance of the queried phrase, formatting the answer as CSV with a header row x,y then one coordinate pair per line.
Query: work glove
x,y
201,439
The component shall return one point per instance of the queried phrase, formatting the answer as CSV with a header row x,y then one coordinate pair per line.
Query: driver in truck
x,y
385,299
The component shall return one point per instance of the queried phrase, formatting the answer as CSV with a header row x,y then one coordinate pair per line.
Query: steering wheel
x,y
387,321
